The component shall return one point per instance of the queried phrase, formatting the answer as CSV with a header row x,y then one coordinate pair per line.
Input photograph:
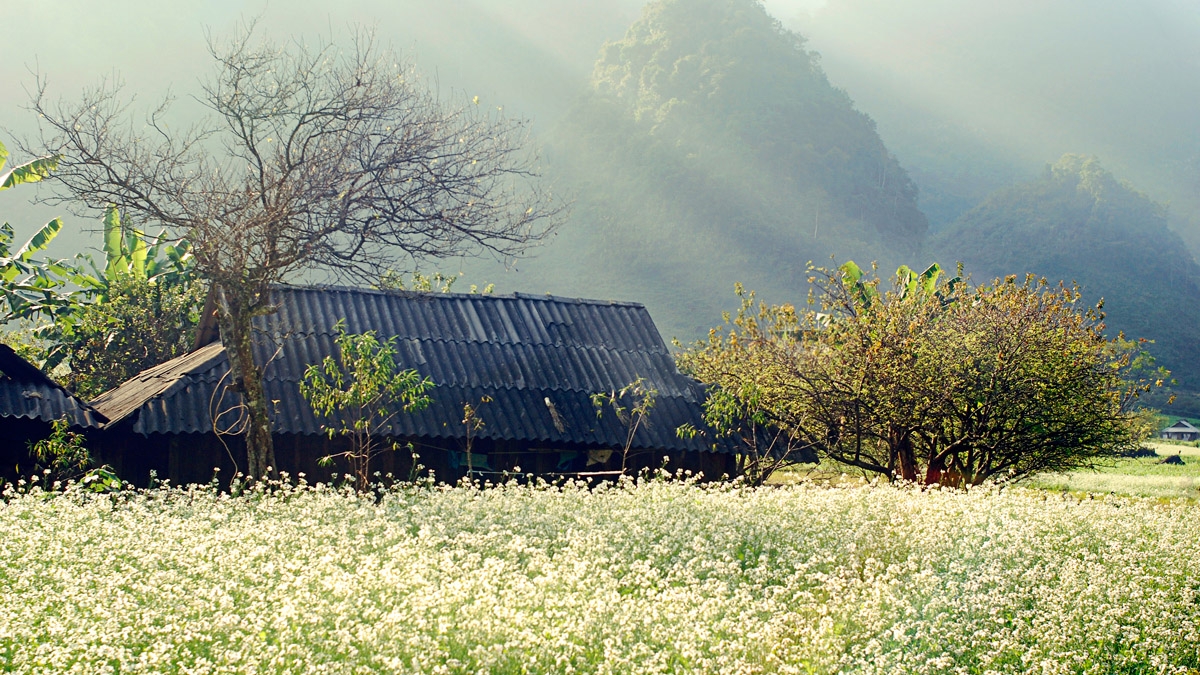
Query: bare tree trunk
x,y
902,449
234,319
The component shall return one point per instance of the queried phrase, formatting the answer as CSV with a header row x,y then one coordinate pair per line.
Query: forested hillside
x,y
1077,222
709,147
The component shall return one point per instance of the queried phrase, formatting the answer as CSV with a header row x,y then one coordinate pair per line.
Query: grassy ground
x,y
825,473
1142,477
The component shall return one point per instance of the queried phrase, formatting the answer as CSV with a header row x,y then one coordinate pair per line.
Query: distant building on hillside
x,y
1180,431
528,364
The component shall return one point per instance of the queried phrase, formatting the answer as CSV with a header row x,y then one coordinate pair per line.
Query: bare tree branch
x,y
310,158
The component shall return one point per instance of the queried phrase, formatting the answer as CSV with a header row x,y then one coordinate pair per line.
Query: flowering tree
x,y
935,381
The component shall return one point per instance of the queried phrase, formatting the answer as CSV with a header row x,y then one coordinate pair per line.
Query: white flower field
x,y
653,577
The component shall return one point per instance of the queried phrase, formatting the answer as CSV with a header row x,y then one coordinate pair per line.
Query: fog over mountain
x,y
975,95
708,148
968,96
1078,222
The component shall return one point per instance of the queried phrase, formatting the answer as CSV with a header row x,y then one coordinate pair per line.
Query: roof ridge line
x,y
501,387
438,340
41,378
515,295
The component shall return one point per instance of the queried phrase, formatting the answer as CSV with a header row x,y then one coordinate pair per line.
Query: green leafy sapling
x,y
359,392
632,406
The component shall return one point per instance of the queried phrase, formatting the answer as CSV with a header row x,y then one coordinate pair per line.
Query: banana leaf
x,y
929,277
29,172
40,240
115,262
137,253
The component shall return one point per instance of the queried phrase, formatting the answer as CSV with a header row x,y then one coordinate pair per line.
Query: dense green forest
x,y
1078,223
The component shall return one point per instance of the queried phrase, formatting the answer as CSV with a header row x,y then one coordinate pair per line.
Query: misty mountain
x,y
971,96
974,96
711,148
1078,223
711,145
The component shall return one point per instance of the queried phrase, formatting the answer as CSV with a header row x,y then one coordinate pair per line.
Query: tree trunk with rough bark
x,y
234,316
902,449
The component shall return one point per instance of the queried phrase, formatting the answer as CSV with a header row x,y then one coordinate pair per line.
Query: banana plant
x,y
909,283
862,290
926,283
29,287
124,252
57,294
129,253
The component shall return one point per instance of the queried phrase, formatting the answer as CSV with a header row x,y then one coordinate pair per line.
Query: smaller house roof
x,y
157,382
26,392
1182,425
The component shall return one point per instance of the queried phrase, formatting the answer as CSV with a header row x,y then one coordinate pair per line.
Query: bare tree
x,y
310,158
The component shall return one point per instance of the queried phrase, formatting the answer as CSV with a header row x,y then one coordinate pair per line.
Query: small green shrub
x,y
63,452
63,458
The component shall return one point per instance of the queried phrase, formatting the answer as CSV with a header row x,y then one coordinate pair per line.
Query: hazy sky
x,y
529,50
531,56
1025,79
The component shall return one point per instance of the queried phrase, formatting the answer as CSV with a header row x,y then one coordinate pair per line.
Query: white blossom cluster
x,y
652,577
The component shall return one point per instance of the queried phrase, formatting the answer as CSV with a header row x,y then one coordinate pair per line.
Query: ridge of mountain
x,y
1079,223
710,148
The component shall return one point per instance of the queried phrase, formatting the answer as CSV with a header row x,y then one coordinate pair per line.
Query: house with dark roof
x,y
29,401
529,365
1180,431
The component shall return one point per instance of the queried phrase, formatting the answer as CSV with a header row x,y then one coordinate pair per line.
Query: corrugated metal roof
x,y
520,351
27,392
1181,425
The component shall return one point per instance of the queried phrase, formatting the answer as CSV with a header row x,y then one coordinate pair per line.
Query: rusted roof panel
x,y
524,353
118,403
